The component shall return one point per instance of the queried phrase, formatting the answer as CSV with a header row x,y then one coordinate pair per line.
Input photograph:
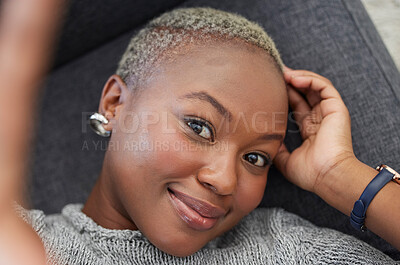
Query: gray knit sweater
x,y
265,236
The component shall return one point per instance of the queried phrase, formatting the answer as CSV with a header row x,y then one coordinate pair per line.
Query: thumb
x,y
281,159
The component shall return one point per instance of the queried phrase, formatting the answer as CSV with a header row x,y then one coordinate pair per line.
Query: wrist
x,y
343,184
327,179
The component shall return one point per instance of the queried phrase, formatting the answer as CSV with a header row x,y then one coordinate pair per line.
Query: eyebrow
x,y
202,95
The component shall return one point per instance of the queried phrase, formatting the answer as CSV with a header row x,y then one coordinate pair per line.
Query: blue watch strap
x,y
357,216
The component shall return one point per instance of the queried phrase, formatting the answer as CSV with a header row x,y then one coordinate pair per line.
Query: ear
x,y
114,96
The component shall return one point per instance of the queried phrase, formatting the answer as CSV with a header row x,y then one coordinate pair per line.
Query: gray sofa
x,y
331,37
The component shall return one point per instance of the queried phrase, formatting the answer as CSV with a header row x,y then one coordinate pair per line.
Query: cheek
x,y
176,156
250,192
155,157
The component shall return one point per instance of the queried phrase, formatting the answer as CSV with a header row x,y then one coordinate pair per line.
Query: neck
x,y
102,208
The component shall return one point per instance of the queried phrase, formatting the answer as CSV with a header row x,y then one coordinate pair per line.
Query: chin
x,y
179,246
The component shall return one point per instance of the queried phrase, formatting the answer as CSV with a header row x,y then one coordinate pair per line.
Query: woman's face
x,y
189,156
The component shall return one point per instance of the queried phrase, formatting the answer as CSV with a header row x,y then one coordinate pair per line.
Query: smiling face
x,y
189,155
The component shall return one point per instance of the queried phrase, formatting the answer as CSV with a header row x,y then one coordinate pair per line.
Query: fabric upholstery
x,y
90,23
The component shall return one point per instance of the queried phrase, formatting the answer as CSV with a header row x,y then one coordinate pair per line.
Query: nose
x,y
220,176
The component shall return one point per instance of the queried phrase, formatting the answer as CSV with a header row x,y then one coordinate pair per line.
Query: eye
x,y
201,127
257,159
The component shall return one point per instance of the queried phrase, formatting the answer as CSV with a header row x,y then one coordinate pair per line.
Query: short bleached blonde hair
x,y
183,26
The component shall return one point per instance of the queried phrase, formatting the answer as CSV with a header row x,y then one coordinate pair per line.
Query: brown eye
x,y
256,159
201,128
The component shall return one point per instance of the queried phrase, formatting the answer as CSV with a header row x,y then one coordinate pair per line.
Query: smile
x,y
198,214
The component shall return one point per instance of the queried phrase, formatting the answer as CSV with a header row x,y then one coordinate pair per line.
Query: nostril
x,y
210,186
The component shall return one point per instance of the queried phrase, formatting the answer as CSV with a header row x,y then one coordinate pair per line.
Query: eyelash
x,y
197,121
267,161
205,124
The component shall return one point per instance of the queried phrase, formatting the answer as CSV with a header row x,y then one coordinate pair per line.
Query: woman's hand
x,y
325,162
324,124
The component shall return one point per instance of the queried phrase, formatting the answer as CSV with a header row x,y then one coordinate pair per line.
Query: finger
x,y
310,83
330,99
286,69
298,104
280,160
313,98
308,119
292,72
290,77
311,123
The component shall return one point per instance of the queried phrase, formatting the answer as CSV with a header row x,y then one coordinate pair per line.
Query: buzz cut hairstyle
x,y
160,38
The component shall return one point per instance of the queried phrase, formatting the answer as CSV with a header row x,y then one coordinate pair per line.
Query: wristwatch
x,y
386,174
396,176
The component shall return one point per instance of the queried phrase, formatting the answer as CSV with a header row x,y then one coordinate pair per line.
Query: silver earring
x,y
96,123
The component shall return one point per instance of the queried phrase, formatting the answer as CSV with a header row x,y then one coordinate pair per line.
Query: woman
x,y
192,69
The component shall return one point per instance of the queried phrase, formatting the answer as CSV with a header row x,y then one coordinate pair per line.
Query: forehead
x,y
242,78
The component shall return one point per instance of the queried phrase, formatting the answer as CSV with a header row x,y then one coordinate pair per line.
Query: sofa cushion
x,y
91,23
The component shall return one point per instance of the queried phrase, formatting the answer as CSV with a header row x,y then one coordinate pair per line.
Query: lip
x,y
198,214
